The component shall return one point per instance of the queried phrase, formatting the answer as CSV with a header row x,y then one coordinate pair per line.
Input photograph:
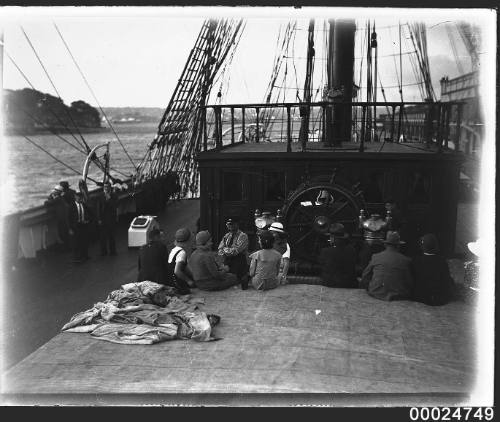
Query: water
x,y
31,174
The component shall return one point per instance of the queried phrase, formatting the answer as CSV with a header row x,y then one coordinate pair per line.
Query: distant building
x,y
466,88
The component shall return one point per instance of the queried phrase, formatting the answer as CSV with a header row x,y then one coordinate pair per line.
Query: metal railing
x,y
428,123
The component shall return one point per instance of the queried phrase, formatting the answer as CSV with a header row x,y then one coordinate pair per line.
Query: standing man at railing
x,y
80,218
107,209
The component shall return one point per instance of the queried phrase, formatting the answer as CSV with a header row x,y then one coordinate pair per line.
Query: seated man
x,y
433,282
179,274
338,262
388,274
206,272
153,259
234,249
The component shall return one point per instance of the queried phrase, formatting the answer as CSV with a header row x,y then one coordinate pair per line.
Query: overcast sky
x,y
134,56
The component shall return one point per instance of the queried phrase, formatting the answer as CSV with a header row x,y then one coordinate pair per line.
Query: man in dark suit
x,y
67,193
153,258
107,215
80,218
60,207
339,260
388,275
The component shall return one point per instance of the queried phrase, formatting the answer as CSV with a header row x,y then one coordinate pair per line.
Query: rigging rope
x,y
49,108
93,94
400,64
48,127
58,135
454,49
54,157
53,86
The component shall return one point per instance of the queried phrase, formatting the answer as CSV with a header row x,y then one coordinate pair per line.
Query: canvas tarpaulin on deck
x,y
145,313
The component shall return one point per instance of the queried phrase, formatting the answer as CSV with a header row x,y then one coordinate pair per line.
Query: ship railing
x,y
436,125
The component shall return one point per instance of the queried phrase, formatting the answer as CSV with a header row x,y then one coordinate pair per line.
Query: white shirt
x,y
181,256
287,252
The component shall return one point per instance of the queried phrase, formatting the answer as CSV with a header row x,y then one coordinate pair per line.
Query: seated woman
x,y
207,273
339,260
265,264
282,246
433,283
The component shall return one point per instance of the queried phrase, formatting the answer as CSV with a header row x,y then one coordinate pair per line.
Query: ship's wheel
x,y
311,208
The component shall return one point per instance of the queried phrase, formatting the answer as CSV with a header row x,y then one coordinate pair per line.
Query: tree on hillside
x,y
84,114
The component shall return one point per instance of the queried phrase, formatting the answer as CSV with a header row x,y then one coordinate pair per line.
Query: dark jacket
x,y
388,276
338,266
433,282
153,265
107,210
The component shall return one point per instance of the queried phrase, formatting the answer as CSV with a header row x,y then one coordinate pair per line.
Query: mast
x,y
340,72
306,110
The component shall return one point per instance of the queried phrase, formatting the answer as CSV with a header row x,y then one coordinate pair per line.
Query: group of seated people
x,y
389,274
192,262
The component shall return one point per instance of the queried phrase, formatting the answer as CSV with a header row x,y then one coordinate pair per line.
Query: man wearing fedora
x,y
234,249
338,261
388,274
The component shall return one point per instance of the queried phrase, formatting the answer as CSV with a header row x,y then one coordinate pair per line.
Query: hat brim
x,y
401,242
272,229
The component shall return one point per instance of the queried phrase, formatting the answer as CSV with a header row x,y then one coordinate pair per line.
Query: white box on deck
x,y
140,227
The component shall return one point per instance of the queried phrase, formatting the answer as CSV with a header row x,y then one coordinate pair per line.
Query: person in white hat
x,y
282,246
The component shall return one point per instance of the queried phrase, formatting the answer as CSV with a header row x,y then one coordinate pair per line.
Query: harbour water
x,y
30,174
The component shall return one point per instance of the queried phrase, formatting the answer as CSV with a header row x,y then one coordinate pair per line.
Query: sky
x,y
133,56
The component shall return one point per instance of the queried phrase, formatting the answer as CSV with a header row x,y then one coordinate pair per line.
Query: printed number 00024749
x,y
451,414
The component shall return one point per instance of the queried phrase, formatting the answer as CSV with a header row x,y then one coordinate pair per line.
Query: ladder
x,y
179,133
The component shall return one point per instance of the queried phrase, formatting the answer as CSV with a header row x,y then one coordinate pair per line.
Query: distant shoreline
x,y
53,131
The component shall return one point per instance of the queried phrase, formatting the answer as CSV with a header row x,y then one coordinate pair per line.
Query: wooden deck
x,y
295,339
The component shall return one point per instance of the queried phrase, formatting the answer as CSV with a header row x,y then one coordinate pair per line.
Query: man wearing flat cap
x,y
388,274
234,249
